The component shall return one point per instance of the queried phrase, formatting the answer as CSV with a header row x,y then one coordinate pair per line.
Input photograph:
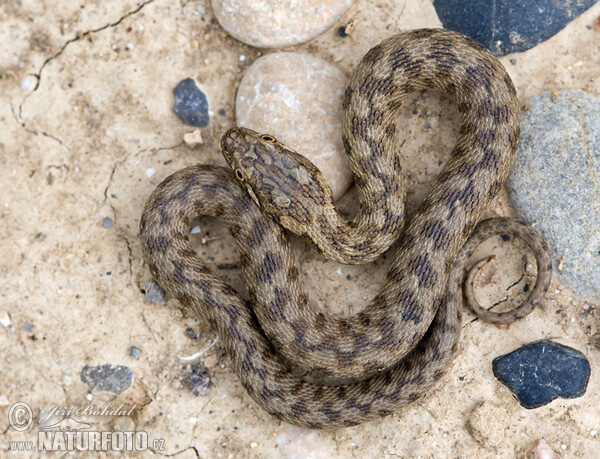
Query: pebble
x,y
135,352
107,223
554,183
191,333
191,105
5,319
542,450
541,371
278,23
304,113
112,378
193,139
154,293
197,379
510,26
29,83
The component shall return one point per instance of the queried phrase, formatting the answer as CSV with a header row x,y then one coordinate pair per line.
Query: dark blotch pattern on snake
x,y
402,342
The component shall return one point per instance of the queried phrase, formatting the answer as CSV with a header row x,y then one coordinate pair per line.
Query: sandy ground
x,y
86,112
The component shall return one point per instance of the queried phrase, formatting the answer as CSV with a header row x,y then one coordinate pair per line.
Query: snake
x,y
299,364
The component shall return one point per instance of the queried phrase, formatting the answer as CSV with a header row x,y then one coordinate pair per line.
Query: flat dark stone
x,y
112,378
191,105
539,372
508,26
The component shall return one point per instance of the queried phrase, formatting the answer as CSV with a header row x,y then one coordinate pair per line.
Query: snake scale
x,y
348,370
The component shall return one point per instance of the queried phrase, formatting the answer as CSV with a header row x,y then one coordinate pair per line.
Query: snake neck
x,y
361,240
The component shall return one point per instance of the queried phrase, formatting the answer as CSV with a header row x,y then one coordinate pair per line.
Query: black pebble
x,y
508,26
539,372
191,105
112,378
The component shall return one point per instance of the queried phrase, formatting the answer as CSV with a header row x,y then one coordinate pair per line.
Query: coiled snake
x,y
395,349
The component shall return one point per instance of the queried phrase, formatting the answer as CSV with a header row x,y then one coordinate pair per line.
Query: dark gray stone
x,y
191,105
107,377
555,183
509,26
539,372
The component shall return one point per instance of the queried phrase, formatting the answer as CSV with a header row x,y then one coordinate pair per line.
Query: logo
x,y
67,425
70,434
20,416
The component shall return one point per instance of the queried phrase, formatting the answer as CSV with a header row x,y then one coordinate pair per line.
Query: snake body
x,y
401,343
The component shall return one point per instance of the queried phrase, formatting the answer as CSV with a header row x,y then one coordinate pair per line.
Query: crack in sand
x,y
82,35
38,75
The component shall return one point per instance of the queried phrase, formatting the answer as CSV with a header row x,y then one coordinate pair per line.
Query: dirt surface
x,y
88,132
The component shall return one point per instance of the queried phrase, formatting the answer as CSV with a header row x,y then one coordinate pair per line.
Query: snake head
x,y
284,184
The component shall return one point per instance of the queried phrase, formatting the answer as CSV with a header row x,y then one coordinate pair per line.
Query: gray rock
x,y
191,105
112,378
154,293
555,183
107,223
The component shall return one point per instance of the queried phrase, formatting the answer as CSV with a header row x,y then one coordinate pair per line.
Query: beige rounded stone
x,y
298,98
278,23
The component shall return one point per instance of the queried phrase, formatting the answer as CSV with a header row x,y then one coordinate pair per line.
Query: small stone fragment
x,y
555,183
135,352
194,138
28,327
539,372
154,293
5,319
107,223
29,83
304,113
191,105
542,450
197,379
112,378
191,333
278,23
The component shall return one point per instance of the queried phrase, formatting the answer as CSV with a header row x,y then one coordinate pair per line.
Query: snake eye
x,y
239,175
268,138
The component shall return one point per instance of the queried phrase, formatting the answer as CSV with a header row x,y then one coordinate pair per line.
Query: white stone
x,y
278,23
